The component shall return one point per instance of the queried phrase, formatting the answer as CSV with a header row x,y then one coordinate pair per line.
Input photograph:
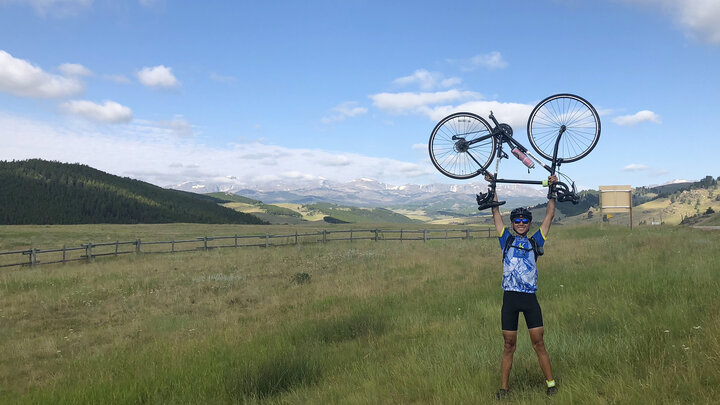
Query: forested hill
x,y
42,192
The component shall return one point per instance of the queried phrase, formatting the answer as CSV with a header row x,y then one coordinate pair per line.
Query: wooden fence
x,y
89,251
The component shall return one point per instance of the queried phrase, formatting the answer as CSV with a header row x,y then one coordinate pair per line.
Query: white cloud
x,y
638,117
55,8
493,60
428,80
413,102
699,18
441,104
110,111
635,167
420,146
160,77
74,69
515,114
21,78
337,160
179,126
343,111
153,154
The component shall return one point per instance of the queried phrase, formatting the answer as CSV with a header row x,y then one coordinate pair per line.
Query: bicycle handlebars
x,y
558,191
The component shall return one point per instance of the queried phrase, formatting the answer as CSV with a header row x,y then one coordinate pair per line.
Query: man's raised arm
x,y
550,212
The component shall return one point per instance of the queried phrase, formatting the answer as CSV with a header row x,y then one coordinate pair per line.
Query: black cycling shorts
x,y
515,302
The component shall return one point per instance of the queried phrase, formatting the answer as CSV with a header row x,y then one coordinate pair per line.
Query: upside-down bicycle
x,y
562,128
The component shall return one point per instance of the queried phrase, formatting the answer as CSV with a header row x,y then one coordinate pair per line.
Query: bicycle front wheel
x,y
461,145
571,114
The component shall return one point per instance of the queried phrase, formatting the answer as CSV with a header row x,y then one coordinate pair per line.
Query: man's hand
x,y
550,211
551,187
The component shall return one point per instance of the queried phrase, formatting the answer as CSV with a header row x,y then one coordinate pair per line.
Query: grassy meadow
x,y
630,317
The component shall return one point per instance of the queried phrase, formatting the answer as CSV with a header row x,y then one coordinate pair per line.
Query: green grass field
x,y
630,317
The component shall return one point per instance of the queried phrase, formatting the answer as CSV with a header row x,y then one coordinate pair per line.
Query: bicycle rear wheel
x,y
576,115
461,145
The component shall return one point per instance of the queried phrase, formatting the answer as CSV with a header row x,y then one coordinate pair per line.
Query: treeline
x,y
672,191
44,192
640,195
588,199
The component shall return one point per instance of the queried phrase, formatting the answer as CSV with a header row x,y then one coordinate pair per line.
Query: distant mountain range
x,y
371,193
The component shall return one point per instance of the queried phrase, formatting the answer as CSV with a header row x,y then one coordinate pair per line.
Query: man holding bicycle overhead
x,y
520,283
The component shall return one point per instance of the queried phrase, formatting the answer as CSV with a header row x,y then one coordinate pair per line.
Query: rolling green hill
x,y
43,192
338,214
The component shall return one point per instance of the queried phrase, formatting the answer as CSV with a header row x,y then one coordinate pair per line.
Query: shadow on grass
x,y
299,356
263,374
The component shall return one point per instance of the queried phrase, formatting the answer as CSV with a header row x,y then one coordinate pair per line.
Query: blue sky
x,y
251,92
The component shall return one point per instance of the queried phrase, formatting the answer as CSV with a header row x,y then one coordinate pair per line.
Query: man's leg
x,y
510,337
536,337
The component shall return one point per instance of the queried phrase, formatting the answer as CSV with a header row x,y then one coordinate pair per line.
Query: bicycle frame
x,y
503,135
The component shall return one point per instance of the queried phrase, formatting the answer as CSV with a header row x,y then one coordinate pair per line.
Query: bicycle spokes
x,y
567,115
461,145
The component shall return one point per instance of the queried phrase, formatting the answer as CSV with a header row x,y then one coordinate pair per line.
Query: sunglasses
x,y
521,220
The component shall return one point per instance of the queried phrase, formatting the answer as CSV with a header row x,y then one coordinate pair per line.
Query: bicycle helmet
x,y
521,212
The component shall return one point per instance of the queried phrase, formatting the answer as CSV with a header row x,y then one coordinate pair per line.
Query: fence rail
x,y
89,251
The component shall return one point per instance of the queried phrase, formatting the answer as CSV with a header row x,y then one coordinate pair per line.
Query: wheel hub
x,y
461,146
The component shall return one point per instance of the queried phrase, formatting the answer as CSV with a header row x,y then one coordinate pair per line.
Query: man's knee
x,y
538,344
510,345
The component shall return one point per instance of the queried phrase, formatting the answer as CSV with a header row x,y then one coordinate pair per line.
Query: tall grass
x,y
630,317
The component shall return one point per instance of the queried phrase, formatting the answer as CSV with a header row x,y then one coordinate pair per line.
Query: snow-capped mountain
x,y
367,192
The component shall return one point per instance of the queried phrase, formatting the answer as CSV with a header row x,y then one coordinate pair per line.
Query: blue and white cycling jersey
x,y
519,267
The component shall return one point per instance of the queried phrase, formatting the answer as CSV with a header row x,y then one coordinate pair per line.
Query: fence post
x,y
376,235
351,236
296,242
205,242
236,244
117,243
63,260
137,246
446,236
467,234
324,236
401,236
33,256
267,240
88,251
424,235
172,246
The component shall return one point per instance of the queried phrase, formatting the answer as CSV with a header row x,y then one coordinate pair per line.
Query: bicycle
x,y
562,128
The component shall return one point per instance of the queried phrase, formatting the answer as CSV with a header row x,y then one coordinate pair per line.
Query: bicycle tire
x,y
450,156
578,116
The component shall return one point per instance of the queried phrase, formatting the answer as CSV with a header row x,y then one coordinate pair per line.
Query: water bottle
x,y
523,158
